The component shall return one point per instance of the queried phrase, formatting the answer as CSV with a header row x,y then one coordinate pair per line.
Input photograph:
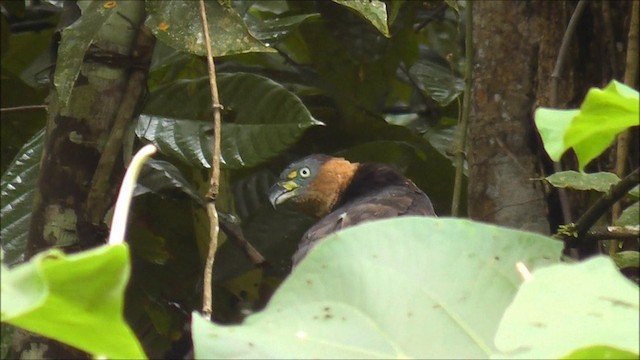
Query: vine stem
x,y
622,145
553,98
464,120
212,213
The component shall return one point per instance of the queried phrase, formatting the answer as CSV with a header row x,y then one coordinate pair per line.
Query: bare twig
x,y
613,232
630,74
555,78
24,108
464,121
207,296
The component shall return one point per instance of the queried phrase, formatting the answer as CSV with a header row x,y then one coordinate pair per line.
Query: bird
x,y
339,194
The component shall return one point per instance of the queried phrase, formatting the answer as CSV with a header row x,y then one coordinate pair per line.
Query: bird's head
x,y
313,184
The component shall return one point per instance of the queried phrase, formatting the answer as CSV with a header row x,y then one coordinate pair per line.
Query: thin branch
x,y
235,234
589,218
630,74
24,108
555,78
613,232
207,296
464,121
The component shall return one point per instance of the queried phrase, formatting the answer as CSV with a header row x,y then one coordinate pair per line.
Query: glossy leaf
x,y
567,307
76,299
363,293
375,11
261,120
600,181
17,187
158,175
177,23
436,81
272,30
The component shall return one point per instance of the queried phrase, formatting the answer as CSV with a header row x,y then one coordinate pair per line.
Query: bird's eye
x,y
305,172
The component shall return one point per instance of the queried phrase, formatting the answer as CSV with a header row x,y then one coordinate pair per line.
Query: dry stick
x,y
464,121
24,108
555,78
207,296
622,147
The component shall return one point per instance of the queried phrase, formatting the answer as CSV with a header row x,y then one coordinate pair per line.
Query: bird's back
x,y
375,192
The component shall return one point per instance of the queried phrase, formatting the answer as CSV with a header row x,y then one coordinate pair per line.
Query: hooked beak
x,y
282,191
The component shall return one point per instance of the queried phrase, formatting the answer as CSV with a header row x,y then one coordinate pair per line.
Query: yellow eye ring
x,y
305,172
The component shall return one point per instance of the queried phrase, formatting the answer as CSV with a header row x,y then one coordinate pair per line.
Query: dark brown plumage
x,y
342,194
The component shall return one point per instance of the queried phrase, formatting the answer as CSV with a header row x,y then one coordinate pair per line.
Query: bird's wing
x,y
388,202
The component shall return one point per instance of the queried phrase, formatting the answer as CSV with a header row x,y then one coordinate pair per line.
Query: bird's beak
x,y
282,191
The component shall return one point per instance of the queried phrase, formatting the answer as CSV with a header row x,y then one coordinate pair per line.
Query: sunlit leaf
x,y
76,299
398,288
571,306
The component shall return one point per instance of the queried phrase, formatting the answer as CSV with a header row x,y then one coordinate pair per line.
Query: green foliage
x,y
565,308
262,120
601,352
375,11
590,130
362,293
178,25
76,299
600,181
17,187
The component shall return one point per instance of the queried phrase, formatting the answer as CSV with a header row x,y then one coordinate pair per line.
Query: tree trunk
x,y
515,50
82,166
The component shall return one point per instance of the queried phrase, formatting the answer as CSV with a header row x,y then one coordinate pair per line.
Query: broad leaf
x,y
158,176
76,299
273,30
17,187
375,11
436,81
177,23
567,307
625,259
552,124
590,130
603,114
398,288
261,119
600,181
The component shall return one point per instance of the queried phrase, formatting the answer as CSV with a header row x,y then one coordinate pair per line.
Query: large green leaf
x,y
600,181
603,114
570,306
17,187
409,287
76,299
375,11
178,24
601,352
260,121
589,131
